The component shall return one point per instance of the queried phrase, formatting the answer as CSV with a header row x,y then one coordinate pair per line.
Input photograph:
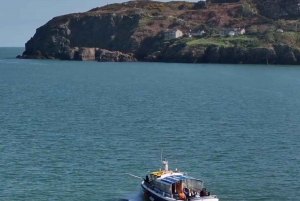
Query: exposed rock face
x,y
101,55
261,56
286,54
57,38
287,9
280,54
109,56
83,54
200,5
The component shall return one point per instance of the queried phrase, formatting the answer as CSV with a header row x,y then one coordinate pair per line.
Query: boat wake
x,y
134,197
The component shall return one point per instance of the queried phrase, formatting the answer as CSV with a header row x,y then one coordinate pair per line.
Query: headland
x,y
212,31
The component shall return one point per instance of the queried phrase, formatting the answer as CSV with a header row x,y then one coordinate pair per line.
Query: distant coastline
x,y
216,31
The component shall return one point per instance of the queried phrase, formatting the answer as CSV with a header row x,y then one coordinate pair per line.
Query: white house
x,y
239,31
197,33
171,34
279,31
233,32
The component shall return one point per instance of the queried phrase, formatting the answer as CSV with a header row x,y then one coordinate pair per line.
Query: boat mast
x,y
166,166
164,162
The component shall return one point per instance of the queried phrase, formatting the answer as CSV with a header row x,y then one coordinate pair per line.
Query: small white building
x,y
279,31
171,34
197,33
232,32
239,31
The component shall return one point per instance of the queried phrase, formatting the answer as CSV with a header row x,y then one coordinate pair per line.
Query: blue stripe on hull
x,y
156,198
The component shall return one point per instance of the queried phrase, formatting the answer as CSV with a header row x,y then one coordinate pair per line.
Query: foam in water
x,y
138,196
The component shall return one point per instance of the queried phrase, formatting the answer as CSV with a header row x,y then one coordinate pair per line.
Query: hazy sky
x,y
20,18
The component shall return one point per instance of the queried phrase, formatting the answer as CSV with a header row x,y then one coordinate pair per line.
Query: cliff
x,y
133,31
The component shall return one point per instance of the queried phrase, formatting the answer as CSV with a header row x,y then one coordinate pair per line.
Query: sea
x,y
72,130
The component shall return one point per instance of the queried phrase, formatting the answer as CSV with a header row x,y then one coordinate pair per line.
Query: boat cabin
x,y
172,184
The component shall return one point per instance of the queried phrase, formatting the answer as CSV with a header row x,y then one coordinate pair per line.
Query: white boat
x,y
168,185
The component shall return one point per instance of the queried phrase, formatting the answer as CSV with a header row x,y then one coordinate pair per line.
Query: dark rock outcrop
x,y
279,9
261,56
59,37
154,57
83,54
115,56
285,54
280,54
200,5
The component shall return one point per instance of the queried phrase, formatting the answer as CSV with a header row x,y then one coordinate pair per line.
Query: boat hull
x,y
151,195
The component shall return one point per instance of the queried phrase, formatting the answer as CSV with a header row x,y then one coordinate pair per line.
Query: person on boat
x,y
147,179
204,192
186,192
182,196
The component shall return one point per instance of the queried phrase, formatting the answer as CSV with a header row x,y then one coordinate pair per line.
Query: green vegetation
x,y
207,42
156,6
289,38
186,5
146,20
241,41
149,21
247,41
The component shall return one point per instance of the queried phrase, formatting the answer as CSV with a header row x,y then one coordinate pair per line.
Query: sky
x,y
19,19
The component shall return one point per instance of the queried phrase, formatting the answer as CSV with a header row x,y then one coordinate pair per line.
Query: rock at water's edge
x,y
114,56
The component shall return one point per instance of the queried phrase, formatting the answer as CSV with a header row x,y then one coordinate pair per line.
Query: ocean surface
x,y
72,130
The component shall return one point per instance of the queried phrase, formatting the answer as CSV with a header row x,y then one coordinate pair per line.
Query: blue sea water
x,y
72,130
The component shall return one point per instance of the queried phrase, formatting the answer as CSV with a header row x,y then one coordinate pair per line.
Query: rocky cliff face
x,y
101,55
134,31
279,54
59,37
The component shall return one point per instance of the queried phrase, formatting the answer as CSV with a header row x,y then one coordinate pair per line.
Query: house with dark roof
x,y
171,34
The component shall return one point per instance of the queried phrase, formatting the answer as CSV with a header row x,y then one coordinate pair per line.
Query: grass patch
x,y
240,41
207,42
